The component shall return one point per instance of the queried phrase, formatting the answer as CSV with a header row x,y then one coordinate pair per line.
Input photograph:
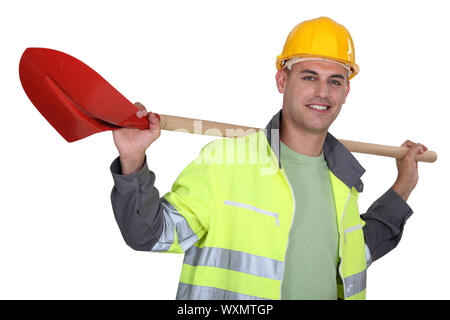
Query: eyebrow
x,y
337,75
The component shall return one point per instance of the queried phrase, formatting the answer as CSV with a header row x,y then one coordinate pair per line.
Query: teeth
x,y
317,107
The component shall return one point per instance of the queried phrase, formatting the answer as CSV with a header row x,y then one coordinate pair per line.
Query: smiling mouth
x,y
318,107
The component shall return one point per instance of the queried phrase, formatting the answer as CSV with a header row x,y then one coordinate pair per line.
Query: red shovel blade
x,y
72,97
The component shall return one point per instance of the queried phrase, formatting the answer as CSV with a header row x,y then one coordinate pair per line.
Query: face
x,y
314,92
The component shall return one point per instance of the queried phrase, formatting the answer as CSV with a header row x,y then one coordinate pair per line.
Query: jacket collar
x,y
339,159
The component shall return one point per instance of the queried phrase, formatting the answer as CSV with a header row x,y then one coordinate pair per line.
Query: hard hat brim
x,y
353,66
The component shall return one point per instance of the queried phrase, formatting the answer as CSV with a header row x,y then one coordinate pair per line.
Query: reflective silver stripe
x,y
193,292
355,284
174,222
235,260
348,230
368,256
357,227
253,208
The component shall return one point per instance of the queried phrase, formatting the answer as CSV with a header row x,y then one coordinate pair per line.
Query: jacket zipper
x,y
289,233
258,210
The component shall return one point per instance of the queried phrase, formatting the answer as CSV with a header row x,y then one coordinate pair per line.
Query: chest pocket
x,y
270,214
254,227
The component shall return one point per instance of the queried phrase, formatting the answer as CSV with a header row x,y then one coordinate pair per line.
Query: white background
x,y
214,61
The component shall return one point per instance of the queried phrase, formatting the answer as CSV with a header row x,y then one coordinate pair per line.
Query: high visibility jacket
x,y
231,210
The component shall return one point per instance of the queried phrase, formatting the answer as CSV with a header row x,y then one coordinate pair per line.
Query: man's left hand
x,y
408,174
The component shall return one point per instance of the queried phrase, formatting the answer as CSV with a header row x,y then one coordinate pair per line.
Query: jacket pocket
x,y
255,209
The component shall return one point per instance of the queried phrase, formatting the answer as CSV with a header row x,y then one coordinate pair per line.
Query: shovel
x,y
78,102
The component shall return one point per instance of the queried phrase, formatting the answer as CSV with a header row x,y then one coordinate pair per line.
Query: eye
x,y
308,78
335,83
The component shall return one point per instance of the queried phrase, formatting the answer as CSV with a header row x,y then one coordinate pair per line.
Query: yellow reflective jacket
x,y
236,206
230,211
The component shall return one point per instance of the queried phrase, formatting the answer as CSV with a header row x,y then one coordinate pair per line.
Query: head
x,y
321,54
310,83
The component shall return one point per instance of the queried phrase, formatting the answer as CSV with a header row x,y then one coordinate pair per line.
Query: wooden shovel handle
x,y
204,127
219,129
386,151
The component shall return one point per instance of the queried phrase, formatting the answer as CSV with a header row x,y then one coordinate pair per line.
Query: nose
x,y
322,89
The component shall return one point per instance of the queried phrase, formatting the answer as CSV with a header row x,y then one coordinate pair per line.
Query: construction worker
x,y
280,221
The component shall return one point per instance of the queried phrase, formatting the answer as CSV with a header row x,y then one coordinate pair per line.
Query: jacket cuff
x,y
123,182
402,211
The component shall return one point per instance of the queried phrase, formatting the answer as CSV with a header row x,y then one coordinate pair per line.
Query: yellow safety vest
x,y
231,210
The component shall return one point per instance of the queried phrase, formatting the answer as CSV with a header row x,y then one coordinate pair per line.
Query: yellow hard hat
x,y
321,38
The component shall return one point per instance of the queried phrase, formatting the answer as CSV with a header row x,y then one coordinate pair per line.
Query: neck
x,y
301,141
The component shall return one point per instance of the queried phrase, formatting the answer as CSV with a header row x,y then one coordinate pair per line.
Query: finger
x,y
139,105
412,152
411,144
421,147
424,148
408,143
154,119
142,111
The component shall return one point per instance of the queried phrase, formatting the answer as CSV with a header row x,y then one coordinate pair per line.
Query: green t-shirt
x,y
312,253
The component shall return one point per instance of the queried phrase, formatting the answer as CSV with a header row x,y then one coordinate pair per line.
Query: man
x,y
283,222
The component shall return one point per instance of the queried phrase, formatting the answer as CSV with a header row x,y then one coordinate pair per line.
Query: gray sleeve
x,y
385,220
137,206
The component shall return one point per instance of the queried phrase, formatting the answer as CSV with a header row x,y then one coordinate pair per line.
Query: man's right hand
x,y
132,143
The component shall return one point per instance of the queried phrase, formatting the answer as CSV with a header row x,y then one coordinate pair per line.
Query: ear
x,y
281,80
347,90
